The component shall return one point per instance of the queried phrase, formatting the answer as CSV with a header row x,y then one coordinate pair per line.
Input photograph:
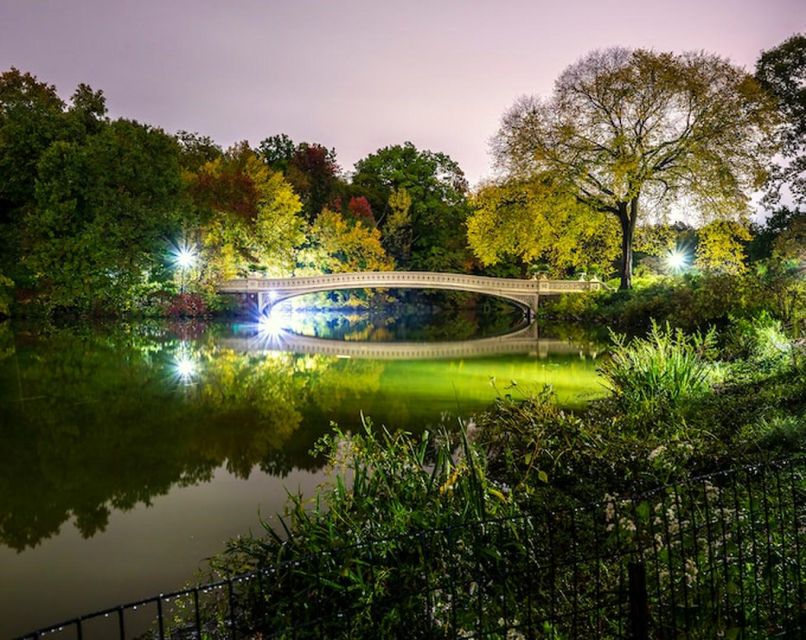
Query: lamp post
x,y
677,260
184,257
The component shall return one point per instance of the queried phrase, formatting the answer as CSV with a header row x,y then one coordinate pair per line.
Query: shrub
x,y
661,370
6,288
759,343
186,305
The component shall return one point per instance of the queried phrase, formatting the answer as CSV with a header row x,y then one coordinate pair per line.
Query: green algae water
x,y
131,452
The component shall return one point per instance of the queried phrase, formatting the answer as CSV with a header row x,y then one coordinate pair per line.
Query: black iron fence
x,y
718,556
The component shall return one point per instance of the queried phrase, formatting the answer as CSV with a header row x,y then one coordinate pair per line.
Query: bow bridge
x,y
525,293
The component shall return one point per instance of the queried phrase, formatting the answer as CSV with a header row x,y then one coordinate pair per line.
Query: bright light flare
x,y
677,260
184,256
185,368
270,324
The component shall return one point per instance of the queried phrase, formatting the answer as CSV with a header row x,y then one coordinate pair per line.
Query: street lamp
x,y
677,260
184,257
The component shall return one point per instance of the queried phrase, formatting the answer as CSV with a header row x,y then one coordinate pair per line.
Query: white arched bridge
x,y
525,293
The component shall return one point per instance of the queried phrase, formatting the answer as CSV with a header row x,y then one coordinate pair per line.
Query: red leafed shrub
x,y
186,305
361,210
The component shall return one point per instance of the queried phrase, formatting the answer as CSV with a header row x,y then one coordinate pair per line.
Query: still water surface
x,y
130,452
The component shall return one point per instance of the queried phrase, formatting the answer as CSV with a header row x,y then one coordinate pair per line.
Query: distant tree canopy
x,y
782,71
90,207
436,188
633,132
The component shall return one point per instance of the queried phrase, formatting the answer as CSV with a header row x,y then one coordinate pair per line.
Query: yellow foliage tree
x,y
720,247
529,220
251,215
397,231
339,246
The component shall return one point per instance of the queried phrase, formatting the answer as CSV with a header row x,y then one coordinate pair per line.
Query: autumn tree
x,y
339,245
360,209
782,72
397,231
630,133
721,246
250,214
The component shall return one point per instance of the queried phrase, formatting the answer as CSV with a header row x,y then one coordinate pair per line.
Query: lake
x,y
131,451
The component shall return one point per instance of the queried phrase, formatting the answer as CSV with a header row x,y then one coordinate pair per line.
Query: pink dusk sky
x,y
355,75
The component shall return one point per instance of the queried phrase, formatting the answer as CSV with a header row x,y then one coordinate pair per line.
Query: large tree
x,y
782,71
250,214
437,208
526,221
628,132
104,209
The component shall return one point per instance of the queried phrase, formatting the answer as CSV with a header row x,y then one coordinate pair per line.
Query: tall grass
x,y
659,371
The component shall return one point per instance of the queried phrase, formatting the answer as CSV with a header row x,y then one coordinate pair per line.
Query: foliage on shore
x,y
675,410
694,301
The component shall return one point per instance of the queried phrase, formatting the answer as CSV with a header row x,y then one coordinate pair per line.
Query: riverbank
x,y
681,405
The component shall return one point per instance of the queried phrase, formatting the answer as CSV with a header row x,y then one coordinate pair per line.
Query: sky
x,y
356,75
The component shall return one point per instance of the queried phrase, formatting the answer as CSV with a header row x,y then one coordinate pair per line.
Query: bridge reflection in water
x,y
525,341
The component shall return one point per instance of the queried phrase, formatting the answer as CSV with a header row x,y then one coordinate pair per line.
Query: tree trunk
x,y
628,214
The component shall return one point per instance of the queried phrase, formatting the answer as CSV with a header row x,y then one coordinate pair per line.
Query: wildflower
x,y
691,571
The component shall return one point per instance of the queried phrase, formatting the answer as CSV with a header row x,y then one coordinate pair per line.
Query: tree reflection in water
x,y
101,418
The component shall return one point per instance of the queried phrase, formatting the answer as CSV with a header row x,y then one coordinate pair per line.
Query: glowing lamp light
x,y
676,260
184,368
184,256
270,324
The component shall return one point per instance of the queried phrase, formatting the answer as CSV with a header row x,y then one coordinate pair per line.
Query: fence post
x,y
639,602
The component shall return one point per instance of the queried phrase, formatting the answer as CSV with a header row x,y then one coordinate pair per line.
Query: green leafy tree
x,y
196,150
277,151
103,211
634,132
87,112
782,71
31,119
437,189
766,234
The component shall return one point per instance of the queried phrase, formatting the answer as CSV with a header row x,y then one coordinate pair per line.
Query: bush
x,y
661,370
692,302
186,305
6,288
759,344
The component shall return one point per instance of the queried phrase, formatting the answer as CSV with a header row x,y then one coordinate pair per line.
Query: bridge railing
x,y
407,278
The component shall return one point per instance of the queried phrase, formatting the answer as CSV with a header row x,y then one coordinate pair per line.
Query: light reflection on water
x,y
131,451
